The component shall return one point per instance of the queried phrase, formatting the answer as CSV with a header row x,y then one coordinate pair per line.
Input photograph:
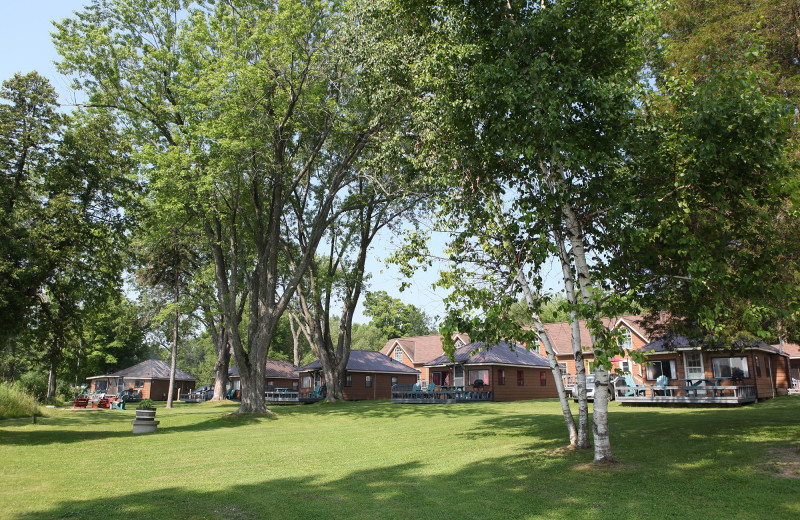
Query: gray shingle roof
x,y
275,368
152,369
501,354
679,342
368,361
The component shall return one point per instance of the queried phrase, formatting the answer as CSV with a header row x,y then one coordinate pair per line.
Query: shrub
x,y
16,402
146,404
34,383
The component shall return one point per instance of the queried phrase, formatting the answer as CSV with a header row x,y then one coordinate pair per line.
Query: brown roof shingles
x,y
560,333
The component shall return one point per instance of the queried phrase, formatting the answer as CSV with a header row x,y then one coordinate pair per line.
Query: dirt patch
x,y
783,462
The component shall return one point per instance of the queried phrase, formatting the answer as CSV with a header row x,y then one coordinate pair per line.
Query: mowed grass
x,y
378,460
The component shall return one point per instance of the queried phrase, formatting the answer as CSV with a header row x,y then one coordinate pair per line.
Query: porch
x,y
291,396
440,394
690,394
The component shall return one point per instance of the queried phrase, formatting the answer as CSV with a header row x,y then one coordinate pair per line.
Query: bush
x,y
16,402
146,404
34,383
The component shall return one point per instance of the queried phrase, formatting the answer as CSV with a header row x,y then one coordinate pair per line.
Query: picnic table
x,y
693,384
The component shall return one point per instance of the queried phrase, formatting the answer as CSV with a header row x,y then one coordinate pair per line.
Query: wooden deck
x,y
289,396
651,394
404,394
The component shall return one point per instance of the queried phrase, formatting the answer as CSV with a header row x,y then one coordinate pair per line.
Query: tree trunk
x,y
174,353
577,349
219,338
569,420
602,439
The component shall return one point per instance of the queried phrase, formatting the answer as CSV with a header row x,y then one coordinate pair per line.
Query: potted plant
x,y
146,411
145,417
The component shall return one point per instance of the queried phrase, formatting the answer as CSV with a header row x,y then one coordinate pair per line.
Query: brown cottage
x,y
757,370
510,373
793,351
560,336
150,377
370,375
416,351
278,374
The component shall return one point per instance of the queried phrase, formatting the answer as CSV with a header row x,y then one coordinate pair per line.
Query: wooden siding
x,y
358,391
275,382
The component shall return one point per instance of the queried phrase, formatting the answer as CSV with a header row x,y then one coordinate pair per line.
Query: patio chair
x,y
119,404
428,392
416,391
662,381
633,388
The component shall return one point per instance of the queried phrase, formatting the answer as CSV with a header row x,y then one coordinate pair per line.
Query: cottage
x,y
369,375
279,374
793,351
150,377
417,351
682,371
560,336
505,372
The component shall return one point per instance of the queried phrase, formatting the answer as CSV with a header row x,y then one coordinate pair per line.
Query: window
x,y
139,383
563,368
656,369
348,380
625,366
295,384
394,380
501,377
758,367
483,375
459,343
100,386
368,381
305,382
520,378
732,367
398,354
626,341
542,378
120,385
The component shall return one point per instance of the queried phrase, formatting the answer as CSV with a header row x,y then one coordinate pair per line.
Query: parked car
x,y
612,379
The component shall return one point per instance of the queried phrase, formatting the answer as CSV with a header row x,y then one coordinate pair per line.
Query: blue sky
x,y
25,28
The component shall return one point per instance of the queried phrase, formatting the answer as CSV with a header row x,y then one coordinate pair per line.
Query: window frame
x,y
718,363
398,350
478,372
520,378
501,376
650,369
138,383
368,381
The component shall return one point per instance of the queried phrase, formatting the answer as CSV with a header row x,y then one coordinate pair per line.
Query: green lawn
x,y
382,461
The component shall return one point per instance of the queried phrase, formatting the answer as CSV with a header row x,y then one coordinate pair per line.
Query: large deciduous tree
x,y
252,115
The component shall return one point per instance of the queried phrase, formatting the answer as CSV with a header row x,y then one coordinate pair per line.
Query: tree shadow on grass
x,y
71,430
507,487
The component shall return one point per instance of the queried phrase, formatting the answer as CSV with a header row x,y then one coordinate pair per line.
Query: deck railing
x,y
404,393
714,394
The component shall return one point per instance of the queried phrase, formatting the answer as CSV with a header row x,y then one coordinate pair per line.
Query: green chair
x,y
633,388
117,405
661,383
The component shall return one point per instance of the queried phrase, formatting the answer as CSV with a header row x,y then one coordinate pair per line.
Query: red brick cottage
x,y
151,377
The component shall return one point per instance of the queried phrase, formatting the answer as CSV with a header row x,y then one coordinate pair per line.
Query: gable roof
x,y
420,349
560,333
368,361
791,349
677,342
275,368
150,369
502,353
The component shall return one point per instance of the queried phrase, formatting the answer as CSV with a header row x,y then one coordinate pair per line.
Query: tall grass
x,y
15,402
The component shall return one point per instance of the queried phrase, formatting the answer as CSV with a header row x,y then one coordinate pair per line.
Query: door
x,y
458,375
693,367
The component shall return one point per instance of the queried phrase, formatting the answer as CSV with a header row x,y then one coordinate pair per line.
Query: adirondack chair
x,y
633,388
117,405
662,382
416,391
428,392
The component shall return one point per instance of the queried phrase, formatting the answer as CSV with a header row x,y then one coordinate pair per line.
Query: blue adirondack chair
x,y
633,388
662,381
415,391
428,392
